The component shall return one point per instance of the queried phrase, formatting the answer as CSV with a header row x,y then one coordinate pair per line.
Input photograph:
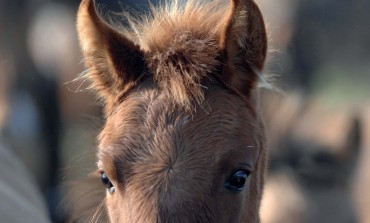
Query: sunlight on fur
x,y
169,35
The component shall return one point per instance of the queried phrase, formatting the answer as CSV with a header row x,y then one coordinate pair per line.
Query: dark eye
x,y
237,180
106,182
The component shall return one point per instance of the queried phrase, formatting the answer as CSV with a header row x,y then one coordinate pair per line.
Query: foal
x,y
182,141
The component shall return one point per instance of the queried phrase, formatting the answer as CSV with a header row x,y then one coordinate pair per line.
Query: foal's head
x,y
182,140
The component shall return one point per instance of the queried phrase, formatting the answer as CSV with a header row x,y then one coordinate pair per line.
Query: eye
x,y
106,182
237,180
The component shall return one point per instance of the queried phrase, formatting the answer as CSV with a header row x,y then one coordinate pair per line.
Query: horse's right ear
x,y
115,63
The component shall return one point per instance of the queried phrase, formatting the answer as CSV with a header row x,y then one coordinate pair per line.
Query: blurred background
x,y
318,121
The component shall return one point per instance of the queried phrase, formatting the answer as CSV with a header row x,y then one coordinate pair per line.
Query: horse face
x,y
182,140
168,165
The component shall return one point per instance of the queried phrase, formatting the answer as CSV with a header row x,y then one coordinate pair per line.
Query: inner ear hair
x,y
245,46
115,63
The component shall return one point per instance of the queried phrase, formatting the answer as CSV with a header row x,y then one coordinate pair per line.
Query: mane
x,y
181,41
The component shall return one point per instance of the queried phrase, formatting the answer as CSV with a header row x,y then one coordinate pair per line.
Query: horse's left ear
x,y
115,63
245,46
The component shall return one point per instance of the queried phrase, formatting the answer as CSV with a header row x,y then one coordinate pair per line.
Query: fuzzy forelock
x,y
182,41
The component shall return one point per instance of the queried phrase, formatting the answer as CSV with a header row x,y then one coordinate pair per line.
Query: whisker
x,y
97,214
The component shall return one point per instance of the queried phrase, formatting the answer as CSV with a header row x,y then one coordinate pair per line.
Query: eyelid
x,y
102,169
245,166
99,164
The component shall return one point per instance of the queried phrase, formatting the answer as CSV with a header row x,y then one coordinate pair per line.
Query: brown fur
x,y
180,110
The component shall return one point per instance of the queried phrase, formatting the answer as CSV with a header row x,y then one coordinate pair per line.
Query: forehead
x,y
149,128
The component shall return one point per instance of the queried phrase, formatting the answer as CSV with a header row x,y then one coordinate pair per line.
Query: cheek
x,y
235,204
114,208
110,208
130,207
